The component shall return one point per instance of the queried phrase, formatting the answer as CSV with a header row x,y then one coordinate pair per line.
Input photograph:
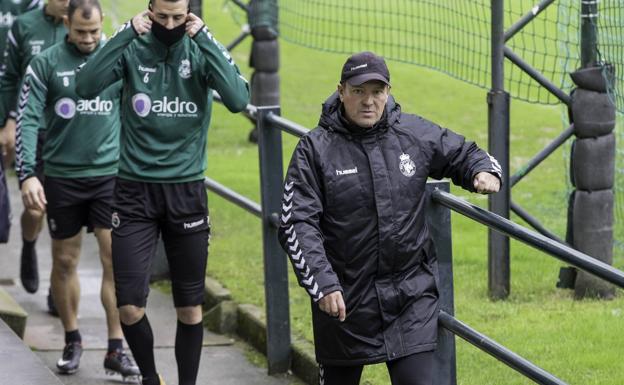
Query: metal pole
x,y
589,36
196,7
239,39
275,262
527,18
234,197
538,241
542,155
528,218
498,351
498,103
537,76
439,224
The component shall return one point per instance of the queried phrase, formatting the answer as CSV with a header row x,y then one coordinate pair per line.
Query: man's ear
x,y
340,88
66,21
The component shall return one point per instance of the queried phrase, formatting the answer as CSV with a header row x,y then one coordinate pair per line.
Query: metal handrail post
x,y
275,262
439,224
498,138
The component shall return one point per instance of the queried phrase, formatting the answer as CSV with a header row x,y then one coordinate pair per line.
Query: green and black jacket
x,y
31,33
9,10
166,100
82,135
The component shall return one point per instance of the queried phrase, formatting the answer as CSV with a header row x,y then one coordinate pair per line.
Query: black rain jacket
x,y
353,220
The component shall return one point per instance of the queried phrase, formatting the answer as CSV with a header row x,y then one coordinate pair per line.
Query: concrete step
x,y
19,364
12,314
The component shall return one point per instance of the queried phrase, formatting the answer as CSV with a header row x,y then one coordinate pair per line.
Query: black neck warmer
x,y
168,36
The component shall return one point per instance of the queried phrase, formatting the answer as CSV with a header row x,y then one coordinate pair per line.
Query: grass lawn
x,y
578,341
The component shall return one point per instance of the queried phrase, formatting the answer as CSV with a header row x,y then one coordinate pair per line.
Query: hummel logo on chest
x,y
147,69
347,172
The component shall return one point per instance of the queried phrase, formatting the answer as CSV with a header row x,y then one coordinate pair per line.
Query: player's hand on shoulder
x,y
142,22
194,24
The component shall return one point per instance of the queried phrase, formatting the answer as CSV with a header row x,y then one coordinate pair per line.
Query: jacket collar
x,y
332,118
49,18
73,49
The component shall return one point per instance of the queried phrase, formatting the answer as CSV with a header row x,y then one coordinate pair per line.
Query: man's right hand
x,y
142,22
33,195
333,304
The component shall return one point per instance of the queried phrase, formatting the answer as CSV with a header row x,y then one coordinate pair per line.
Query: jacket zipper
x,y
167,67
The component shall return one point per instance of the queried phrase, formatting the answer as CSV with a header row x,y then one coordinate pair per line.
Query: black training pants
x,y
416,369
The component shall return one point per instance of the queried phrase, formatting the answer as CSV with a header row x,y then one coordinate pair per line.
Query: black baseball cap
x,y
364,66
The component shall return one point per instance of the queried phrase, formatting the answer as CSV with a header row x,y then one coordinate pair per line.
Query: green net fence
x,y
453,36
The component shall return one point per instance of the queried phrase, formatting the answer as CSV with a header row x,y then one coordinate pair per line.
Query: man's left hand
x,y
486,183
193,24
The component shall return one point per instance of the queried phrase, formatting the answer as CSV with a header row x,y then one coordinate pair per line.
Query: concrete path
x,y
223,360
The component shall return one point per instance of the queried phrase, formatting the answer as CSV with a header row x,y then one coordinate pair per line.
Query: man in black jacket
x,y
353,225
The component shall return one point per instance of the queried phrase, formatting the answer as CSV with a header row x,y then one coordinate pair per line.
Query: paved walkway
x,y
223,360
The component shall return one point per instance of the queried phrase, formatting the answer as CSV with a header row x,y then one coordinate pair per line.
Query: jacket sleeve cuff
x,y
22,179
202,31
325,291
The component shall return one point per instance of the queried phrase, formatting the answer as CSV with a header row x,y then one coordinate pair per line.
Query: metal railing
x,y
270,125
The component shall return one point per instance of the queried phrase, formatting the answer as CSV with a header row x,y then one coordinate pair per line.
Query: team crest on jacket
x,y
185,69
407,166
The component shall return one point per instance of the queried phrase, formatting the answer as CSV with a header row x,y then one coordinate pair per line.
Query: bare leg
x,y
65,283
32,221
107,292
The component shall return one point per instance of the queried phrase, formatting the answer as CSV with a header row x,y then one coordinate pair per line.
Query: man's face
x,y
85,33
57,8
364,104
170,14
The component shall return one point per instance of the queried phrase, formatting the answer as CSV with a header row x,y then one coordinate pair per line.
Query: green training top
x,y
82,138
166,100
31,33
9,10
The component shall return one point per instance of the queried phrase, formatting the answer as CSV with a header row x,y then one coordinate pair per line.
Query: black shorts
x,y
77,202
141,212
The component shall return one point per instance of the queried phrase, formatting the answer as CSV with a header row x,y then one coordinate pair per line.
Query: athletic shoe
x,y
69,363
29,272
117,362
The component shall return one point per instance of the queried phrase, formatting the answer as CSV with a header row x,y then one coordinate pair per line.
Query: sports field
x,y
579,342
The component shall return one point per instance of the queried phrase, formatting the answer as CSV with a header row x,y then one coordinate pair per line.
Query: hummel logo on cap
x,y
363,67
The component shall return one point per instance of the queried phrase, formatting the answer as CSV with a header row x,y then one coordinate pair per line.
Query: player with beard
x,y
81,155
169,64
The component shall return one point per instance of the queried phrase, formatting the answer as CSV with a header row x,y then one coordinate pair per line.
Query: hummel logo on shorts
x,y
192,225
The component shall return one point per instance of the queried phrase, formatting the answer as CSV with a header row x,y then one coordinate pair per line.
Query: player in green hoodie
x,y
169,63
30,34
80,155
9,10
